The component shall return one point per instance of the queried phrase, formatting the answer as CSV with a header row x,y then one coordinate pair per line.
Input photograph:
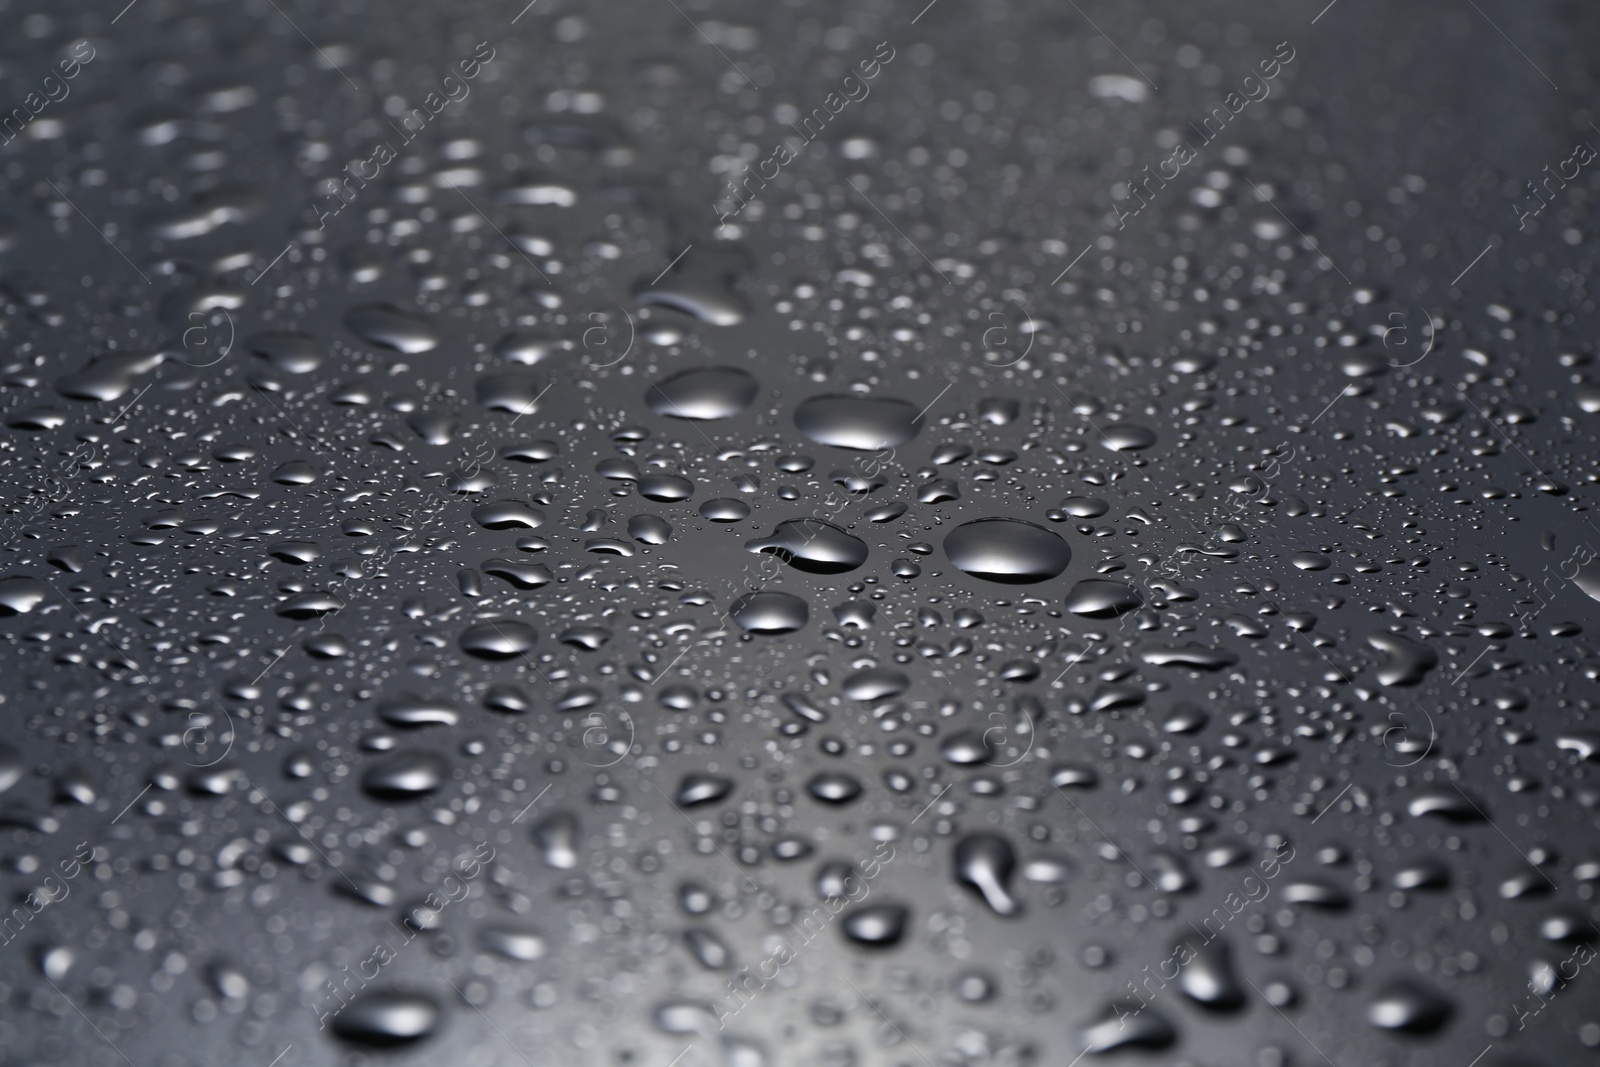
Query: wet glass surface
x,y
729,535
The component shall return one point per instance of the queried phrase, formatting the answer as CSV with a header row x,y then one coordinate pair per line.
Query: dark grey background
x,y
950,241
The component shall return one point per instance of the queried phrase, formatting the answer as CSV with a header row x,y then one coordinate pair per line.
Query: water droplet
x,y
1128,1024
11,767
310,605
106,378
508,515
876,925
498,639
875,683
1405,1004
287,352
386,1019
1125,437
1446,803
20,594
725,510
519,575
556,837
834,788
1587,578
703,393
1209,978
1408,662
1316,894
1422,874
1085,507
707,947
512,942
665,488
1009,551
1074,776
389,327
866,424
813,545
985,862
1196,657
408,709
699,788
530,451
529,348
967,747
769,613
295,472
650,529
405,775
515,392
1099,598
705,298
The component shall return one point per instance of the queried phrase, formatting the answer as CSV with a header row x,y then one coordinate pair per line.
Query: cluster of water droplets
x,y
481,620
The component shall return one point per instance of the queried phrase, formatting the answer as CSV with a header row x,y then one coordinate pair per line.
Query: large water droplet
x,y
1446,802
1408,662
508,515
106,378
1128,1024
650,529
408,709
876,925
703,393
389,327
1010,551
665,488
875,683
1209,978
1099,598
1126,437
557,839
529,348
769,613
1191,655
700,788
813,545
512,942
310,605
498,639
20,594
834,788
405,775
387,1019
866,424
706,299
707,947
289,353
1407,1005
986,861
11,766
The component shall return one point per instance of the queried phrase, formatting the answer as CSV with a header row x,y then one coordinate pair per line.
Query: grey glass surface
x,y
681,534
